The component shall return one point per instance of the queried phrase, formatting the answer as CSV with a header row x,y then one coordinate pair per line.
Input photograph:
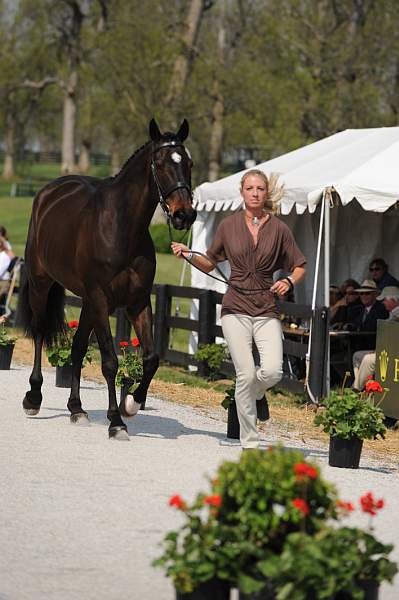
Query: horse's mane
x,y
166,137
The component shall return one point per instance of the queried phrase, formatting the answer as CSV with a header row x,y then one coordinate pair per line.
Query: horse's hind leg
x,y
79,348
38,302
142,324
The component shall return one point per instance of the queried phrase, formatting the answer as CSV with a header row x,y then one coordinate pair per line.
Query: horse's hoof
x,y
118,433
81,418
30,408
131,407
31,412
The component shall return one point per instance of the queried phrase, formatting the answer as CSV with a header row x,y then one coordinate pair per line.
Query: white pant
x,y
252,381
363,366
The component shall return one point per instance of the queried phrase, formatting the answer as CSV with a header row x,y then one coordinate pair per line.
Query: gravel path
x,y
81,516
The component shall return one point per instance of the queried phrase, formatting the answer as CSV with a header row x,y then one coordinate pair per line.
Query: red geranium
x,y
373,386
214,500
123,344
303,470
301,505
371,505
345,506
73,324
178,502
135,342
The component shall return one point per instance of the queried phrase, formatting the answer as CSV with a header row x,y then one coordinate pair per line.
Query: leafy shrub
x,y
212,355
160,236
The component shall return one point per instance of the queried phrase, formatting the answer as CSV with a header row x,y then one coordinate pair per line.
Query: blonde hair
x,y
274,188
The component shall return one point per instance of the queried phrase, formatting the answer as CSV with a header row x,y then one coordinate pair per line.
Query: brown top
x,y
252,266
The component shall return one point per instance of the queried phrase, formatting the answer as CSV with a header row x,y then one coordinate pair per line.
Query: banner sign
x,y
387,365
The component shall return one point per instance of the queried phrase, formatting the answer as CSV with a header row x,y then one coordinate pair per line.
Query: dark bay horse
x,y
91,237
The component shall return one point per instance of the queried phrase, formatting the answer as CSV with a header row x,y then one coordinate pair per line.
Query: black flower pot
x,y
63,376
126,385
214,589
345,453
267,593
262,409
370,588
233,425
5,356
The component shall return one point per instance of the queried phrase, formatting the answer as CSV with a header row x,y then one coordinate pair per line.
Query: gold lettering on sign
x,y
384,360
396,373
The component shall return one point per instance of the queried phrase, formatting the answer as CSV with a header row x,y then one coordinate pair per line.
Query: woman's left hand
x,y
281,287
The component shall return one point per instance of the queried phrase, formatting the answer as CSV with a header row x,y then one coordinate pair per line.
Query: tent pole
x,y
327,201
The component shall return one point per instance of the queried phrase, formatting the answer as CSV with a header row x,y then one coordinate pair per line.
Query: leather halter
x,y
164,194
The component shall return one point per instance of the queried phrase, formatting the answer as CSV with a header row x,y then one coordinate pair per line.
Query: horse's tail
x,y
52,324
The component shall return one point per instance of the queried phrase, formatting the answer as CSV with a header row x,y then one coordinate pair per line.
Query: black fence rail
x,y
206,328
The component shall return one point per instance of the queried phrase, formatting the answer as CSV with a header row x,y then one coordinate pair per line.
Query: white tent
x,y
361,165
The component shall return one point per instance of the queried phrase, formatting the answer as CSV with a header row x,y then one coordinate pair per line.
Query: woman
x,y
256,244
350,298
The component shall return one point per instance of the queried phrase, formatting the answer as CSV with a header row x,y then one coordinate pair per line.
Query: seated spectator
x,y
5,259
364,360
4,235
379,273
364,317
335,295
350,298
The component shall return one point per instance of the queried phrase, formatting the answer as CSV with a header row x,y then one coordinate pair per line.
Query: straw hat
x,y
368,285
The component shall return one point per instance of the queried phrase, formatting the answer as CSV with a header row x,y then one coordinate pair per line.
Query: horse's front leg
x,y
79,348
109,363
142,324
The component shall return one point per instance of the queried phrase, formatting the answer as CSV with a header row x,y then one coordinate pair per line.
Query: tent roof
x,y
358,163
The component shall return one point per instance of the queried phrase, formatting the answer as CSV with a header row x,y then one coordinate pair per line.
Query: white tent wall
x,y
356,237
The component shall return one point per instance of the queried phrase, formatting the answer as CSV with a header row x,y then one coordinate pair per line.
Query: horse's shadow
x,y
154,426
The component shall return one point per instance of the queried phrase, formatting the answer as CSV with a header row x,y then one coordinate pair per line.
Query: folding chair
x,y
14,270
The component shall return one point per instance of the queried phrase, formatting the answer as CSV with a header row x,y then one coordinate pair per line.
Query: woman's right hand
x,y
178,248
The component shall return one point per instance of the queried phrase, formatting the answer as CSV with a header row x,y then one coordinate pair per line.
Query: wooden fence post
x,y
318,353
123,329
162,311
206,321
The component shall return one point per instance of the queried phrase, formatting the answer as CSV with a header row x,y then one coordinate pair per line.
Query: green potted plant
x,y
130,372
350,418
253,505
59,355
211,357
336,563
7,343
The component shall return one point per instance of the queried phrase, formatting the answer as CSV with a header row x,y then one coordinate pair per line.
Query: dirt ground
x,y
288,418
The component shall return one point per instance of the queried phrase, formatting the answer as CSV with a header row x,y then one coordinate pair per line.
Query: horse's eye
x,y
176,157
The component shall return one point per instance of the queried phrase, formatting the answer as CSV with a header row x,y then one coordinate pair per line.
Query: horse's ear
x,y
183,131
155,134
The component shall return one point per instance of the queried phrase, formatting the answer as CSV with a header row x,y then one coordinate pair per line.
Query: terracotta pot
x,y
63,376
5,356
345,453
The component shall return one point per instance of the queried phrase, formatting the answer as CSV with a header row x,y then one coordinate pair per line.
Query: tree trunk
x,y
8,168
216,141
183,60
115,161
69,123
84,156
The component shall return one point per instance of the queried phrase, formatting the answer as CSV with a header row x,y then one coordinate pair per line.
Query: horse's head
x,y
171,168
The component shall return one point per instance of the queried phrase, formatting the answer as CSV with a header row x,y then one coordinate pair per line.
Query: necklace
x,y
256,220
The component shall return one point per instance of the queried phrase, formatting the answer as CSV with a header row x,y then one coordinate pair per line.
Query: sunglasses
x,y
366,293
375,269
